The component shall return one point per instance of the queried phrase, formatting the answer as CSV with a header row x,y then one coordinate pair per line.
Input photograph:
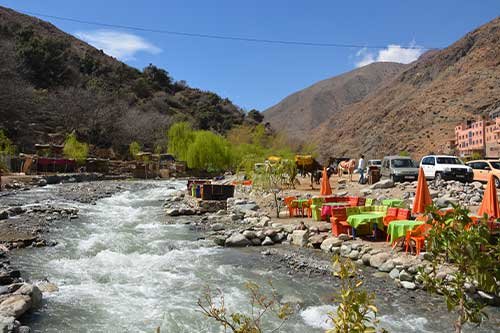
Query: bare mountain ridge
x,y
306,109
418,110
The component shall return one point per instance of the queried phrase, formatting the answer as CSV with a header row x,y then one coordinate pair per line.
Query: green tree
x,y
75,149
180,136
134,148
6,149
404,153
255,116
209,151
455,239
157,76
476,156
41,60
356,311
142,88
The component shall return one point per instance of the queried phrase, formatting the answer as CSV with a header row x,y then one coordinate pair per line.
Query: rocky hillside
x,y
418,110
307,109
52,83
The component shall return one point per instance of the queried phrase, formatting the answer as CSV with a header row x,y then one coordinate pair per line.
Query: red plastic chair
x,y
339,221
292,209
417,235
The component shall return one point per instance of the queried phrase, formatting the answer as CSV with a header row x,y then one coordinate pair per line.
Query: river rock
x,y
15,306
4,214
49,287
237,240
300,237
31,291
172,212
394,273
8,324
378,259
354,255
405,276
386,266
330,242
217,227
382,184
249,234
366,259
344,237
24,329
269,232
335,250
408,285
365,192
317,240
345,249
267,241
220,240
256,241
324,227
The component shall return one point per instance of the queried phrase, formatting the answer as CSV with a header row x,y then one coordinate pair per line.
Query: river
x,y
121,268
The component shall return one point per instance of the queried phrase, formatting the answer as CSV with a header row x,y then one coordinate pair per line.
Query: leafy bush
x,y
41,60
456,239
134,148
75,149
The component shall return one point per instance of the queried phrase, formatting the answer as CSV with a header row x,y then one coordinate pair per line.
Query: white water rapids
x,y
120,268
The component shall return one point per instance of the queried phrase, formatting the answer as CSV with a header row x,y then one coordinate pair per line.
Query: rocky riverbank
x,y
24,221
245,224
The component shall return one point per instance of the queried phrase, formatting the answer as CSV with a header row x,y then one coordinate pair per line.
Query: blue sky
x,y
256,75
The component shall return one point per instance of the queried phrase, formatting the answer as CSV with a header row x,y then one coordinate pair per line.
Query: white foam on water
x,y
317,316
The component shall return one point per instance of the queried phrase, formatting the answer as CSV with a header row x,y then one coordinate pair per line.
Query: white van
x,y
446,167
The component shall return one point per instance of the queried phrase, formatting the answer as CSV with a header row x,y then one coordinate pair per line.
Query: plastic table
x,y
366,218
398,229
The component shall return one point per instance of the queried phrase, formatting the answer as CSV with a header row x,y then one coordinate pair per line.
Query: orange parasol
x,y
489,205
422,195
325,184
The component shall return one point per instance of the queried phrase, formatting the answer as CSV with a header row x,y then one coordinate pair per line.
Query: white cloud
x,y
393,53
118,44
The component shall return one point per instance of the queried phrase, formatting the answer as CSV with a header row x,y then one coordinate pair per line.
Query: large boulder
x,y
381,184
300,237
378,259
317,240
15,306
8,324
329,243
267,241
237,240
33,292
386,266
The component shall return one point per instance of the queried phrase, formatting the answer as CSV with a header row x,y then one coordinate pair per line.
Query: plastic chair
x,y
292,209
339,221
418,235
368,202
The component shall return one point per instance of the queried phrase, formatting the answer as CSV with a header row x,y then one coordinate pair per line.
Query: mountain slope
x,y
305,110
418,109
52,83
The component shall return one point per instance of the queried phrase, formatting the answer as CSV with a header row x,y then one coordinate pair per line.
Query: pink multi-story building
x,y
481,136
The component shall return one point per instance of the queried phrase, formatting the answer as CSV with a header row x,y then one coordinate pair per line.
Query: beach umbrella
x,y
489,205
325,184
422,195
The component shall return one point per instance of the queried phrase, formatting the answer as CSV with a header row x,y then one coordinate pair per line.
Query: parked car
x,y
483,168
446,167
399,168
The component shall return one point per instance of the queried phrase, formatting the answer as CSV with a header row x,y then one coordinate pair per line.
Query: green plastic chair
x,y
317,204
369,202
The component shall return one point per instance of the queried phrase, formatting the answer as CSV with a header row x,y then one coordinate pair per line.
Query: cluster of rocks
x,y
16,297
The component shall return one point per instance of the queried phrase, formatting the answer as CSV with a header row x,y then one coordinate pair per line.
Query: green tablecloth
x,y
300,202
392,202
366,218
398,229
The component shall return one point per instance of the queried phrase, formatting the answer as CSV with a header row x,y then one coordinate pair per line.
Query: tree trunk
x,y
458,323
276,205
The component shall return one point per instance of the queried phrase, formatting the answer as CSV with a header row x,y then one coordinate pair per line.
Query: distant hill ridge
x,y
52,83
413,110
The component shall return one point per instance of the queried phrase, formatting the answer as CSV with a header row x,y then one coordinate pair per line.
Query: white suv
x,y
446,167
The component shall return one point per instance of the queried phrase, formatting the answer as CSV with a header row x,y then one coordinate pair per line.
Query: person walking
x,y
361,169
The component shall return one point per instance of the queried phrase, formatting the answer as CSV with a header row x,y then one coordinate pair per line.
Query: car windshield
x,y
403,163
448,160
495,165
377,162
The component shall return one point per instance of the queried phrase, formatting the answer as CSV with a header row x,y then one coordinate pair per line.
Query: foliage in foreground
x,y
356,311
134,148
455,239
262,304
75,149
